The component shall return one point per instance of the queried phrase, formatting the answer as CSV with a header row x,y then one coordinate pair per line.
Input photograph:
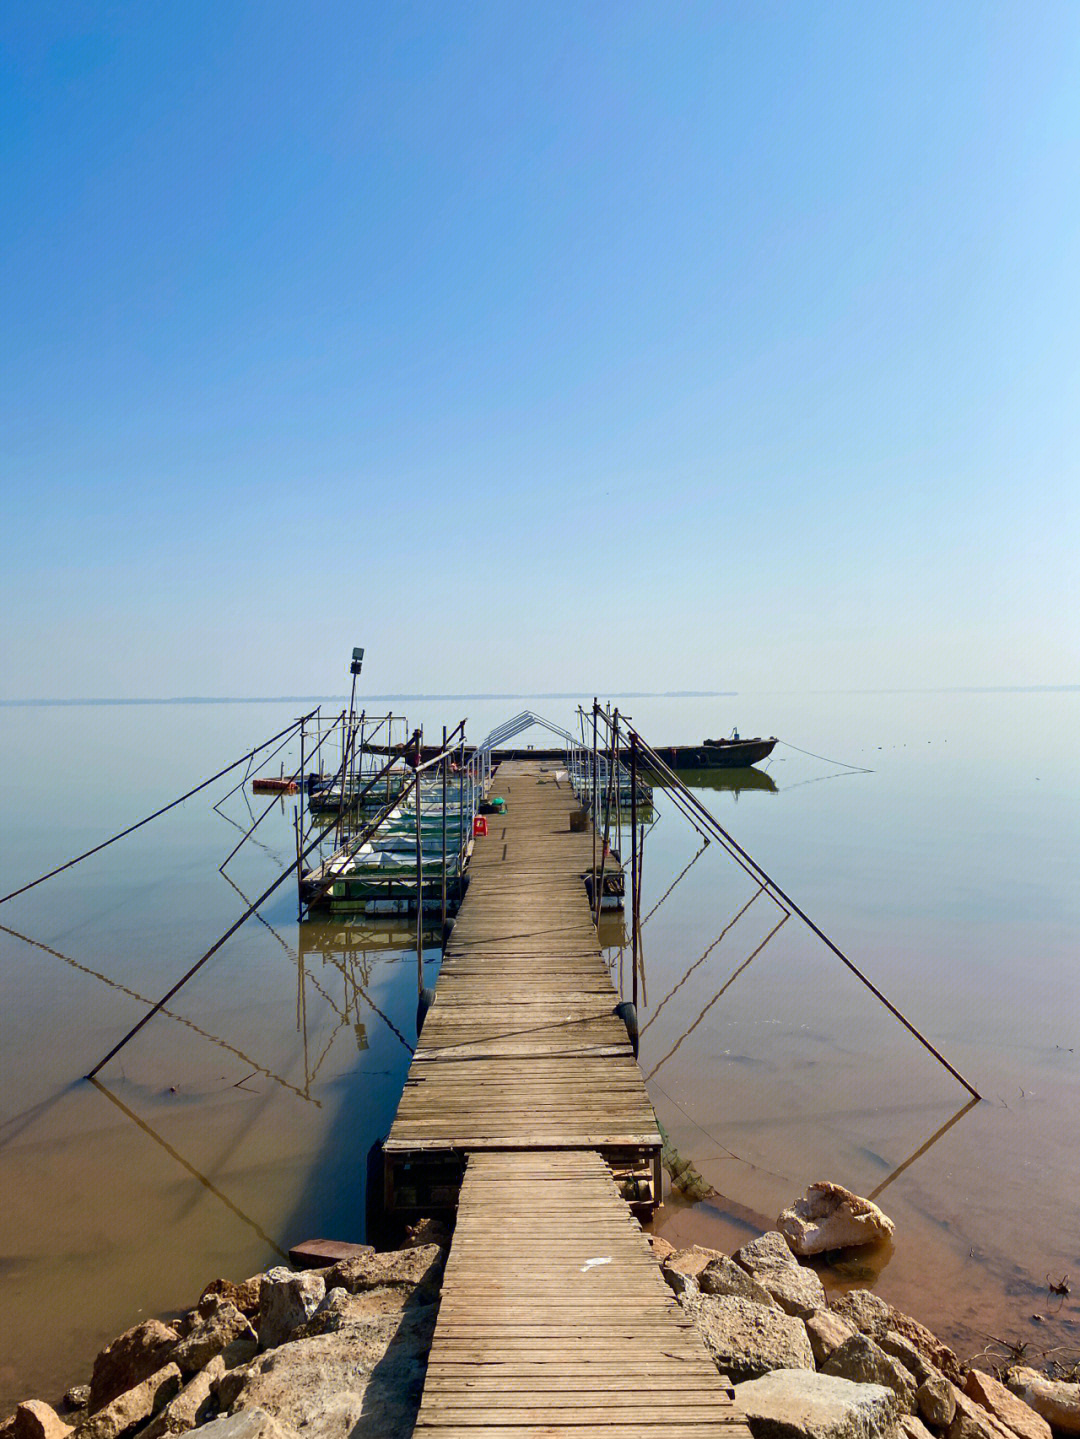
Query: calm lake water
x,y
241,1123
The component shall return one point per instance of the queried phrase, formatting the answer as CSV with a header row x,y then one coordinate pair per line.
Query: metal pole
x,y
442,883
419,877
595,816
633,861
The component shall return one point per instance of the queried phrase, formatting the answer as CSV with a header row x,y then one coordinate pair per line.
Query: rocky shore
x,y
338,1351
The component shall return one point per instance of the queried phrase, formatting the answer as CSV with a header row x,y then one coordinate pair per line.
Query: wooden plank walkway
x,y
554,1319
521,1047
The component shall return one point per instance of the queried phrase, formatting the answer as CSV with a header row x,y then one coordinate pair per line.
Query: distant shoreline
x,y
534,695
304,699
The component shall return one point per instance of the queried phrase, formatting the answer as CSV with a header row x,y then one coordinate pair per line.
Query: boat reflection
x,y
735,780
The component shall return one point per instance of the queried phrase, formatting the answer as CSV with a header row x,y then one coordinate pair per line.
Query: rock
x,y
1057,1400
828,1216
37,1420
723,1276
678,1282
972,1421
796,1404
341,1310
903,1349
245,1296
427,1231
250,1423
78,1396
936,1401
911,1427
240,1351
362,1383
128,1360
193,1405
660,1246
826,1332
864,1362
864,1311
686,1264
1005,1406
769,1251
286,1300
411,1268
132,1407
210,1336
798,1291
746,1339
770,1261
928,1345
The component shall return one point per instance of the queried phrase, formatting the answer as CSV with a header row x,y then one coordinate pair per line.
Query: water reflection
x,y
736,781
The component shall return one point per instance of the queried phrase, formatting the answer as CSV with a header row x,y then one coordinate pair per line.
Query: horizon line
x,y
298,699
525,694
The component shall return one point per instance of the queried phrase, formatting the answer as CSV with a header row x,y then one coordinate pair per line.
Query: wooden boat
x,y
732,753
709,754
280,785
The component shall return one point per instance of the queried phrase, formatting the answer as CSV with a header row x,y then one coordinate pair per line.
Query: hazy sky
x,y
539,345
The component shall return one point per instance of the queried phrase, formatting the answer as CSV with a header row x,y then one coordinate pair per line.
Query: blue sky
x,y
539,346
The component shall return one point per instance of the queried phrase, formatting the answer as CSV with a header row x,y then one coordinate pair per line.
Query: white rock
x,y
828,1216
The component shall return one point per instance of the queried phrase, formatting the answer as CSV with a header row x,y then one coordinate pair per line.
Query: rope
x,y
157,813
857,769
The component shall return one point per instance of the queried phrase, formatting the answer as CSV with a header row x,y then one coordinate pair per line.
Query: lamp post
x,y
347,739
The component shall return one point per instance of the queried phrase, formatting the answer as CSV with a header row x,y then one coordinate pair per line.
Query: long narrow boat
x,y
709,754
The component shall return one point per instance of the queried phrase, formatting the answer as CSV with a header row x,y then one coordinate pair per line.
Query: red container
x,y
479,824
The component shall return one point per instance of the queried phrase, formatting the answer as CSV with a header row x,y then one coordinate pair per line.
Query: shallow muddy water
x,y
241,1123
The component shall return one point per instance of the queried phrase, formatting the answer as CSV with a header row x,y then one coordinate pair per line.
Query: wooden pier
x,y
554,1319
522,1048
524,1093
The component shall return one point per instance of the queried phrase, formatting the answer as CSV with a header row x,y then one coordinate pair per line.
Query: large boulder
x,y
747,1339
211,1336
1006,1406
771,1263
826,1332
936,1398
193,1405
248,1424
37,1420
864,1362
682,1268
245,1296
286,1300
723,1276
796,1404
418,1268
1057,1400
341,1310
132,1407
128,1360
864,1311
971,1421
828,1216
363,1382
